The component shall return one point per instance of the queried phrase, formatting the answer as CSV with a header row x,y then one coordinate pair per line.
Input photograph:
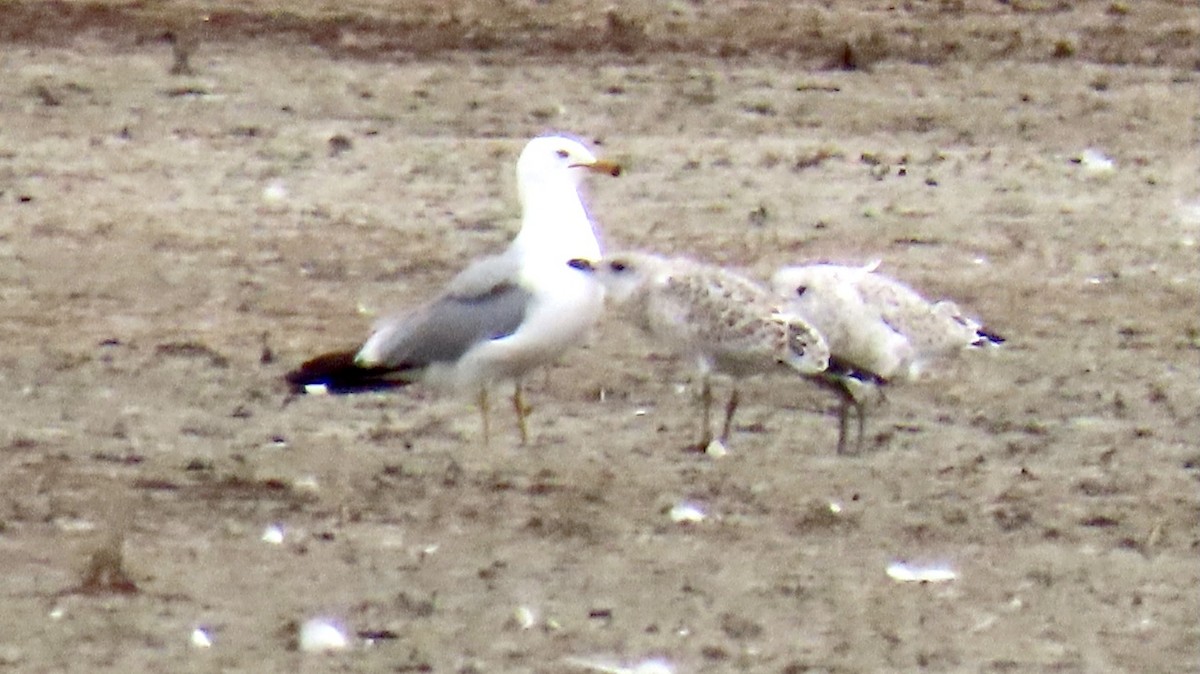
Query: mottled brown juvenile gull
x,y
726,322
876,325
503,315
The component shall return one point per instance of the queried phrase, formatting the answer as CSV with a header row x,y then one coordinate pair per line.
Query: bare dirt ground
x,y
171,244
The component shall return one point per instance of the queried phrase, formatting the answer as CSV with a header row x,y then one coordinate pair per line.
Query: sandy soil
x,y
171,244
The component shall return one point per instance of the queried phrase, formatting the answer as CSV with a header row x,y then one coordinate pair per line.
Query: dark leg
x,y
843,422
848,402
861,409
706,404
730,408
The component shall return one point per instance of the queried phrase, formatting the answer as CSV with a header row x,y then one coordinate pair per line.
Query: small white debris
x,y
74,524
640,412
1096,162
1188,212
654,666
835,507
651,666
275,192
10,655
321,636
316,389
984,624
306,483
716,449
902,572
57,613
428,550
200,638
524,617
687,513
273,534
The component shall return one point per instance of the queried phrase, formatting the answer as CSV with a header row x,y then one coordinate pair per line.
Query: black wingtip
x,y
337,373
842,368
317,371
989,337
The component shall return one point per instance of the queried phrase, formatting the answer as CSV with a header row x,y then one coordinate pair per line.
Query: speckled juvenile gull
x,y
727,323
875,324
503,315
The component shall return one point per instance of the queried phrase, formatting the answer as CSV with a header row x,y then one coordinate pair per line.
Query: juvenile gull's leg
x,y
730,408
861,410
849,401
706,404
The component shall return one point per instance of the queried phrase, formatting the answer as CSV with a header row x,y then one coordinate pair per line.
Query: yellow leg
x,y
522,410
483,412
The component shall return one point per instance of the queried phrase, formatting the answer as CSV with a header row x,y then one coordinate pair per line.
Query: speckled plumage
x,y
726,322
875,324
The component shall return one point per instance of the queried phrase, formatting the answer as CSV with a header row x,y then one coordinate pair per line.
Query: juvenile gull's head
x,y
623,275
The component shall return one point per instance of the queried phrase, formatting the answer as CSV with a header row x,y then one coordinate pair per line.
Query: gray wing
x,y
483,275
483,302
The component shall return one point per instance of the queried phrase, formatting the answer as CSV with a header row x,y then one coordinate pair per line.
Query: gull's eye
x,y
801,290
617,266
562,153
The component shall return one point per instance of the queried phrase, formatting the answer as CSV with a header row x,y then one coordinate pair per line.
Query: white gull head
x,y
554,223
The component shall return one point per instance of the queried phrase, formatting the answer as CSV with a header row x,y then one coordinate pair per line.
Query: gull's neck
x,y
554,224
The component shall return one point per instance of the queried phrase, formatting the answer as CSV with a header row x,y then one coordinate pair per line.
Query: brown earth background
x,y
171,243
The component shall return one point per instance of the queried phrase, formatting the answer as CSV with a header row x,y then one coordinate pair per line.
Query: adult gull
x,y
503,315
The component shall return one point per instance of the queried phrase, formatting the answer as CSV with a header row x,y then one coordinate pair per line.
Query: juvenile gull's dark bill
x,y
875,324
503,315
727,323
